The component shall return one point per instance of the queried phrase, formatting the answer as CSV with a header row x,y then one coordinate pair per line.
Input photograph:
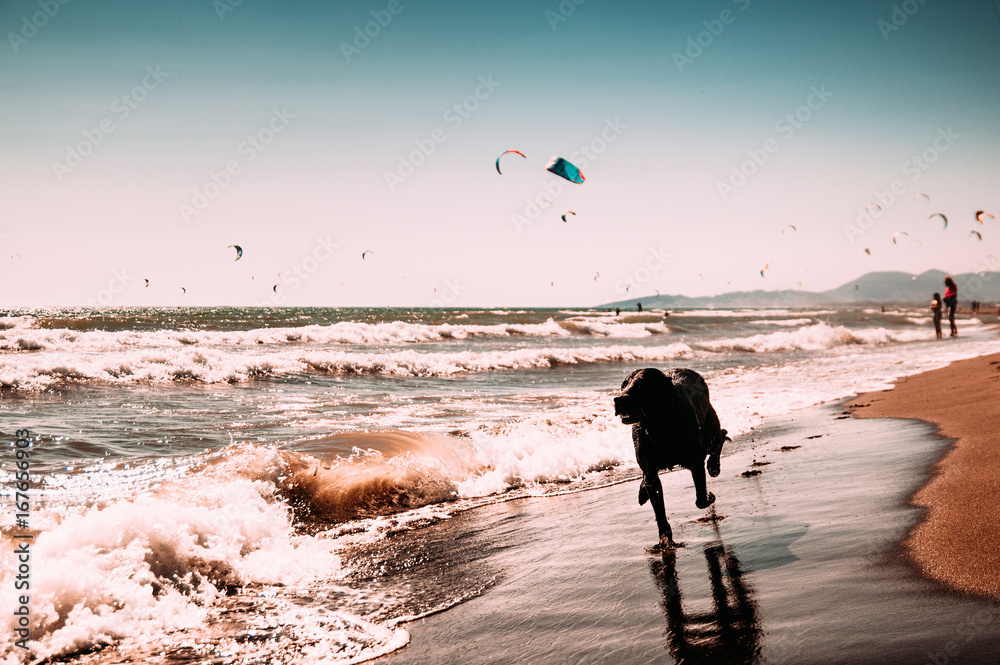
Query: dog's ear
x,y
628,379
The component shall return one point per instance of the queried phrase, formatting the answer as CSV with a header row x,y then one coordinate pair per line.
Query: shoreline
x,y
957,541
800,564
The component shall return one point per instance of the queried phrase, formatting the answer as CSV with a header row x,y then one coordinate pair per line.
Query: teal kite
x,y
561,167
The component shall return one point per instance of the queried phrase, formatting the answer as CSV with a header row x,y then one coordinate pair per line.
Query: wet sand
x,y
958,541
802,567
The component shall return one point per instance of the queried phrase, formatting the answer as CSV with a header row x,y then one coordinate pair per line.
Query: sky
x,y
349,149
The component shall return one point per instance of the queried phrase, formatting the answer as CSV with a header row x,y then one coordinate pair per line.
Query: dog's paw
x,y
643,495
665,545
713,466
709,500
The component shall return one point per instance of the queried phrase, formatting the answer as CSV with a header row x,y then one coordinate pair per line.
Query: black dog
x,y
673,424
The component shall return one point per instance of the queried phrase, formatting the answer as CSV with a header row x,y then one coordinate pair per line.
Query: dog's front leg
x,y
654,490
702,497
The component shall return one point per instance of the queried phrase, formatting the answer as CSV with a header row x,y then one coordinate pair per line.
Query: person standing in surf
x,y
951,300
936,309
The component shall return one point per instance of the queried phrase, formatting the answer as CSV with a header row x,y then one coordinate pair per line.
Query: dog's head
x,y
644,393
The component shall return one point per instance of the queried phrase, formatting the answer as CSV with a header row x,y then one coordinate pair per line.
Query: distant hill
x,y
874,288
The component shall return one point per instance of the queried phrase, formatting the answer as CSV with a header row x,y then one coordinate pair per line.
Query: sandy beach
x,y
958,541
802,565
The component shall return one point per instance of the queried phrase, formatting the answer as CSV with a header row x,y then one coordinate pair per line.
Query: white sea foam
x,y
221,365
816,337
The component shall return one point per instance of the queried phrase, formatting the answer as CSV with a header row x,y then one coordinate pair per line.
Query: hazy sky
x,y
140,139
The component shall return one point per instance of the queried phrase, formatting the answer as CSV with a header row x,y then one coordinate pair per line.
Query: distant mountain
x,y
874,288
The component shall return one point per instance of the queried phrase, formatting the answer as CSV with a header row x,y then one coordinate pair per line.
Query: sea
x,y
234,485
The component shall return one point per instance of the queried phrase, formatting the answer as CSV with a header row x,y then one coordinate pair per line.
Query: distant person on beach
x,y
618,311
936,308
639,305
951,300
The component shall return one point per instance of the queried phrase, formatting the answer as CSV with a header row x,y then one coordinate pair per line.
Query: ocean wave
x,y
20,334
30,372
816,337
159,562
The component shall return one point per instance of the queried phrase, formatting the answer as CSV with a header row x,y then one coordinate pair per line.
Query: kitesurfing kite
x,y
790,226
275,289
562,168
980,214
868,251
937,214
239,252
898,235
568,212
926,198
596,275
147,283
516,152
977,234
365,253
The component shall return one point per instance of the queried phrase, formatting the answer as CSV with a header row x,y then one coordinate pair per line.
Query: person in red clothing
x,y
951,300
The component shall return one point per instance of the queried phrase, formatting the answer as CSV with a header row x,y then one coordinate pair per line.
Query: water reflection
x,y
727,633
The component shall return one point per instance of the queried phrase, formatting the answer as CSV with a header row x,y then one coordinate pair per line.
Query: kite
x,y
239,251
516,152
562,168
980,214
977,234
897,235
790,226
364,253
147,283
937,214
275,289
872,207
926,198
12,256
568,212
596,275
868,251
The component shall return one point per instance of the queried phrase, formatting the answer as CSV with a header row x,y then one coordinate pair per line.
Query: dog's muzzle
x,y
625,409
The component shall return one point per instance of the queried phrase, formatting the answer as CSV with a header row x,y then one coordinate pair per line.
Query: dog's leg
x,y
703,498
654,490
716,438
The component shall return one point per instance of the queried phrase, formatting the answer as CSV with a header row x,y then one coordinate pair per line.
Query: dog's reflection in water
x,y
729,632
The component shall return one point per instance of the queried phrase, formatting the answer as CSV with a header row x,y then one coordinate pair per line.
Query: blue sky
x,y
704,129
